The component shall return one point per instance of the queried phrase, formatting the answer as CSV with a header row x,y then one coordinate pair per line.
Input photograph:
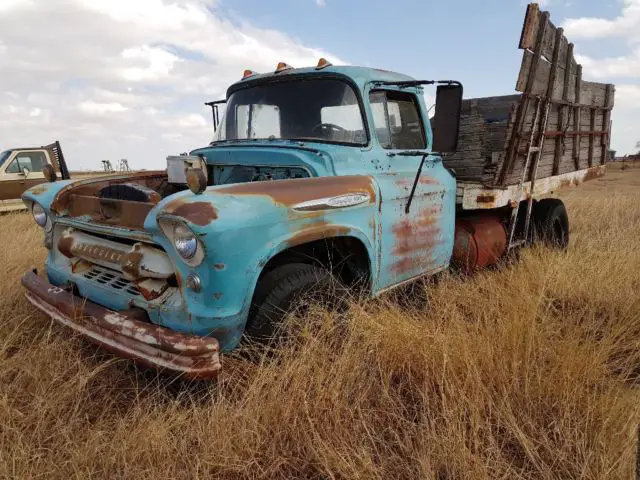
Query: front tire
x,y
286,288
551,223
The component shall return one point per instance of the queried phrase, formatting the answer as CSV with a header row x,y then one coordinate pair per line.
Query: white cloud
x,y
321,3
158,63
94,108
624,25
626,67
125,78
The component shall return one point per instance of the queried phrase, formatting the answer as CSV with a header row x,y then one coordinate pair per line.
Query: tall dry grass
x,y
530,371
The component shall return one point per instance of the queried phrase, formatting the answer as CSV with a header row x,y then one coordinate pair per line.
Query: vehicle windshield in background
x,y
318,110
3,156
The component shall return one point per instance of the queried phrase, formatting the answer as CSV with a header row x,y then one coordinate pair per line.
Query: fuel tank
x,y
480,241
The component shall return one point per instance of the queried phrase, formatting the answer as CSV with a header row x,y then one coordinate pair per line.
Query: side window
x,y
13,167
34,161
397,121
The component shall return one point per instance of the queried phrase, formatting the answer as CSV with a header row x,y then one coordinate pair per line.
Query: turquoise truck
x,y
319,176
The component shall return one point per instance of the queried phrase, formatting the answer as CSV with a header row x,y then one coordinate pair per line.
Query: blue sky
x,y
472,41
118,79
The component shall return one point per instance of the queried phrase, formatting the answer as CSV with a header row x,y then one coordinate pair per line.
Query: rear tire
x,y
551,223
286,288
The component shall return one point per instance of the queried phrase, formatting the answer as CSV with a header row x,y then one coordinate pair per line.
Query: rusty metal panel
x,y
125,334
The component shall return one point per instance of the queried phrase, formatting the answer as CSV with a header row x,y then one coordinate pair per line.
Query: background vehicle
x,y
21,168
317,177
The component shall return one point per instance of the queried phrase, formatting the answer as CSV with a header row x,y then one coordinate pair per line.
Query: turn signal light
x,y
248,73
322,63
282,67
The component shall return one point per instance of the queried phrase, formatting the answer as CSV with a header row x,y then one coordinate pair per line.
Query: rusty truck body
x,y
316,176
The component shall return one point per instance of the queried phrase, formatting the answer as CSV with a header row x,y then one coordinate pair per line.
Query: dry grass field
x,y
529,371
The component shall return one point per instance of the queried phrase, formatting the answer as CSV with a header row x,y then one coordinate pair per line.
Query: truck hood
x,y
315,158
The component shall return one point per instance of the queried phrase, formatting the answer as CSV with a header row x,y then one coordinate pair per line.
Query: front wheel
x,y
551,223
290,288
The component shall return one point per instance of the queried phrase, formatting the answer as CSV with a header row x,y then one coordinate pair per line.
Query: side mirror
x,y
446,122
26,171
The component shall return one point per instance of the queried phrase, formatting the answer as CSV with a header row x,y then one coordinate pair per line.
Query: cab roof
x,y
359,75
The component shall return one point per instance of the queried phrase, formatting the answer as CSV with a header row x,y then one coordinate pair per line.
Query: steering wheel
x,y
329,126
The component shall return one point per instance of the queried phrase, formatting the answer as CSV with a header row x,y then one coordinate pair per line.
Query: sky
x,y
116,79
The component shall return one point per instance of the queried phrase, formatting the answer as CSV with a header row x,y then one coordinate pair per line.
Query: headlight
x,y
39,215
185,241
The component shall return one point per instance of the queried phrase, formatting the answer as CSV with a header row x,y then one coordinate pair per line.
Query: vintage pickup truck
x,y
316,177
21,168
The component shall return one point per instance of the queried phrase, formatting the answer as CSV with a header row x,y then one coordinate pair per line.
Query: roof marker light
x,y
248,73
282,67
322,63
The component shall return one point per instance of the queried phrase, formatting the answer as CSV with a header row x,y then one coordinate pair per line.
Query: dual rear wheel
x,y
550,223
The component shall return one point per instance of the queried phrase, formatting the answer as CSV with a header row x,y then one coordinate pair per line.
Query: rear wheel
x,y
551,223
291,289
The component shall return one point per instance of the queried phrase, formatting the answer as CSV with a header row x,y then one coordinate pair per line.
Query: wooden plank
x,y
532,74
577,115
559,141
530,27
591,137
606,121
566,93
593,94
554,63
549,38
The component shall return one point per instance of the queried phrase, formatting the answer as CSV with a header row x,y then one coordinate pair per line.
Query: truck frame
x,y
319,179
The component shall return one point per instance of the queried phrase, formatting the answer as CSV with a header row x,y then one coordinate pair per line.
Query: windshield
x,y
321,110
3,156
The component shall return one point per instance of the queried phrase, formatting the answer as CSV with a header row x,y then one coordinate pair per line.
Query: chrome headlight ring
x,y
184,241
40,216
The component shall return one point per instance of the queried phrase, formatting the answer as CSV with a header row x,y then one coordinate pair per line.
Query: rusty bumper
x,y
124,334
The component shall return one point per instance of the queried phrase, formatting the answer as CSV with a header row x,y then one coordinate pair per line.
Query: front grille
x,y
112,279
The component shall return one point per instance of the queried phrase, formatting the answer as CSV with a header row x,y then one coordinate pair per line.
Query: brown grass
x,y
525,372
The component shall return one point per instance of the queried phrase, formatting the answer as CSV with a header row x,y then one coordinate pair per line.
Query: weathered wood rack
x,y
496,133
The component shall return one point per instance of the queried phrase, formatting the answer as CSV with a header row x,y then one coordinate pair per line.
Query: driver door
x,y
419,241
21,171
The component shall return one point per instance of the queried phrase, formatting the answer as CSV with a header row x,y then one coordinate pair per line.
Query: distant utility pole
x,y
106,166
124,166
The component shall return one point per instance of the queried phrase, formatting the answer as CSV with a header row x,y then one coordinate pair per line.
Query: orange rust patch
x,y
428,181
318,231
38,189
415,238
219,266
199,213
217,295
90,187
293,191
64,246
130,263
485,198
593,173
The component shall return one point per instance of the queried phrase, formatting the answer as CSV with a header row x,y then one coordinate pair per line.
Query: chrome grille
x,y
112,279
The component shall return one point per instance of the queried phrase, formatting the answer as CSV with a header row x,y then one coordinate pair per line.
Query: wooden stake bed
x,y
498,133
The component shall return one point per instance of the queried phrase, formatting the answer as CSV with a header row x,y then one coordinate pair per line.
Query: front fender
x,y
44,193
243,226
